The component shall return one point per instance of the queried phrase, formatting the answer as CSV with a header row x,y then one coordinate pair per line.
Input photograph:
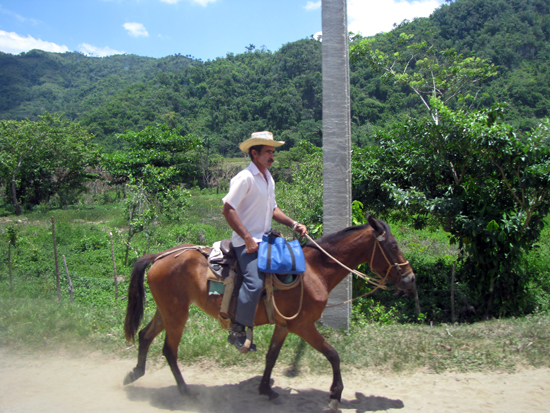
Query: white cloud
x,y
136,29
11,42
313,5
370,17
90,50
201,2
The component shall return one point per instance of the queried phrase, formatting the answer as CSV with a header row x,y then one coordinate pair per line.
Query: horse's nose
x,y
408,280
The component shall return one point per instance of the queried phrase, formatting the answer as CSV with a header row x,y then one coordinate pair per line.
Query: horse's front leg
x,y
277,340
310,334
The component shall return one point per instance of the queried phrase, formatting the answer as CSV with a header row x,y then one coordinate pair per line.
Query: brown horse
x,y
176,283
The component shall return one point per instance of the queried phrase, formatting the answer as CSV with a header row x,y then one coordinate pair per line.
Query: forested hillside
x,y
73,83
512,34
226,98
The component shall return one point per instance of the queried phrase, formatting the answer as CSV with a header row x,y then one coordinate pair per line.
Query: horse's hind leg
x,y
146,336
174,330
310,334
277,340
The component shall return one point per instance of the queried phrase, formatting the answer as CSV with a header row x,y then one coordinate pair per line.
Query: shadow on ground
x,y
243,397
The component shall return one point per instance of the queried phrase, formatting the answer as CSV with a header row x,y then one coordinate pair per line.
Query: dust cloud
x,y
62,383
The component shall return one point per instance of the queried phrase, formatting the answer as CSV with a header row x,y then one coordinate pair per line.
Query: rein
x,y
272,281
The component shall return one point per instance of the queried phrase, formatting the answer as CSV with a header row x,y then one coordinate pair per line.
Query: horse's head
x,y
387,259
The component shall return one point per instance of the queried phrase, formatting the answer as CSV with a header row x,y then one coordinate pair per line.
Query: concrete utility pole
x,y
336,143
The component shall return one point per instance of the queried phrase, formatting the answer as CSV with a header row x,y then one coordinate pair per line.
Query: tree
x,y
430,73
14,150
153,168
39,159
302,198
488,189
149,198
155,147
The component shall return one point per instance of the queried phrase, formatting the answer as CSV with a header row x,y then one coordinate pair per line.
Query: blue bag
x,y
278,256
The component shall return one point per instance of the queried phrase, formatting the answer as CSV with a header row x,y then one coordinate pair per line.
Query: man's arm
x,y
236,225
282,218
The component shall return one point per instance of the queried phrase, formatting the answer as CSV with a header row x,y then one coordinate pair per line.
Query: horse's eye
x,y
394,246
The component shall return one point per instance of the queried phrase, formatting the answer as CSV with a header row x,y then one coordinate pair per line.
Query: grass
x,y
498,345
493,345
31,317
241,160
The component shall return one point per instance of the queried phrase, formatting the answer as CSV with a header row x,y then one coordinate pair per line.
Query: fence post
x,y
416,301
114,266
453,315
131,212
68,278
9,265
56,261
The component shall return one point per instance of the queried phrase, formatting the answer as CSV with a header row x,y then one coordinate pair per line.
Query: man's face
x,y
265,158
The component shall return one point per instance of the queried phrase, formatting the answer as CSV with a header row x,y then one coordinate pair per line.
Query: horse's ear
x,y
378,229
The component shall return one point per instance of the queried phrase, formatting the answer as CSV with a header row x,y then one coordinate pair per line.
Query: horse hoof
x,y
191,396
334,405
184,391
129,378
273,395
133,375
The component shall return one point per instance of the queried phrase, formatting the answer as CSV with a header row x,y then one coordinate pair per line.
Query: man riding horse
x,y
249,208
178,277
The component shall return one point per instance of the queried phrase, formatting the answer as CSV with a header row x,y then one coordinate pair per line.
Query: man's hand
x,y
282,218
300,229
251,245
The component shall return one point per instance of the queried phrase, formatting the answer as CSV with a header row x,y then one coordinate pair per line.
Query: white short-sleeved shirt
x,y
253,199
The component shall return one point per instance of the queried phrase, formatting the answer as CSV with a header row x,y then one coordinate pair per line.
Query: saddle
x,y
225,278
225,274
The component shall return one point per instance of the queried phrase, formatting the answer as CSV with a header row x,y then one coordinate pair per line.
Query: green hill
x,y
73,83
227,98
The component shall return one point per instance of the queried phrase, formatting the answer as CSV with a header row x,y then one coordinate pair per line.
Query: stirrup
x,y
241,340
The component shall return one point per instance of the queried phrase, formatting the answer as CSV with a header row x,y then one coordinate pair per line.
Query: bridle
x,y
385,253
379,283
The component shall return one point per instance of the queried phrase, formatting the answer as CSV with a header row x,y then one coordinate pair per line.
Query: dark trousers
x,y
251,289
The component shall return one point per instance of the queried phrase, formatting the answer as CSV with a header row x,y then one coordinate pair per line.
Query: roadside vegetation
x,y
451,150
385,333
230,96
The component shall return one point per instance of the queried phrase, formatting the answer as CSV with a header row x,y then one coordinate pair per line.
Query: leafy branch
x,y
444,75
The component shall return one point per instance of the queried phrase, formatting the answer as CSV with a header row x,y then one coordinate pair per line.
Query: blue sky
x,y
205,29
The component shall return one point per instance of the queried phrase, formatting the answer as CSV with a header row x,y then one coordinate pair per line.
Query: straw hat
x,y
259,138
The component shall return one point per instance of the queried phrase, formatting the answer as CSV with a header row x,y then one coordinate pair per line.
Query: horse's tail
x,y
136,295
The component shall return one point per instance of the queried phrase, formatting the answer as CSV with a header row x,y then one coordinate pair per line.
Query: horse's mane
x,y
336,237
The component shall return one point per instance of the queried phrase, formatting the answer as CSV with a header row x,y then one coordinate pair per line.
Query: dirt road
x,y
62,384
